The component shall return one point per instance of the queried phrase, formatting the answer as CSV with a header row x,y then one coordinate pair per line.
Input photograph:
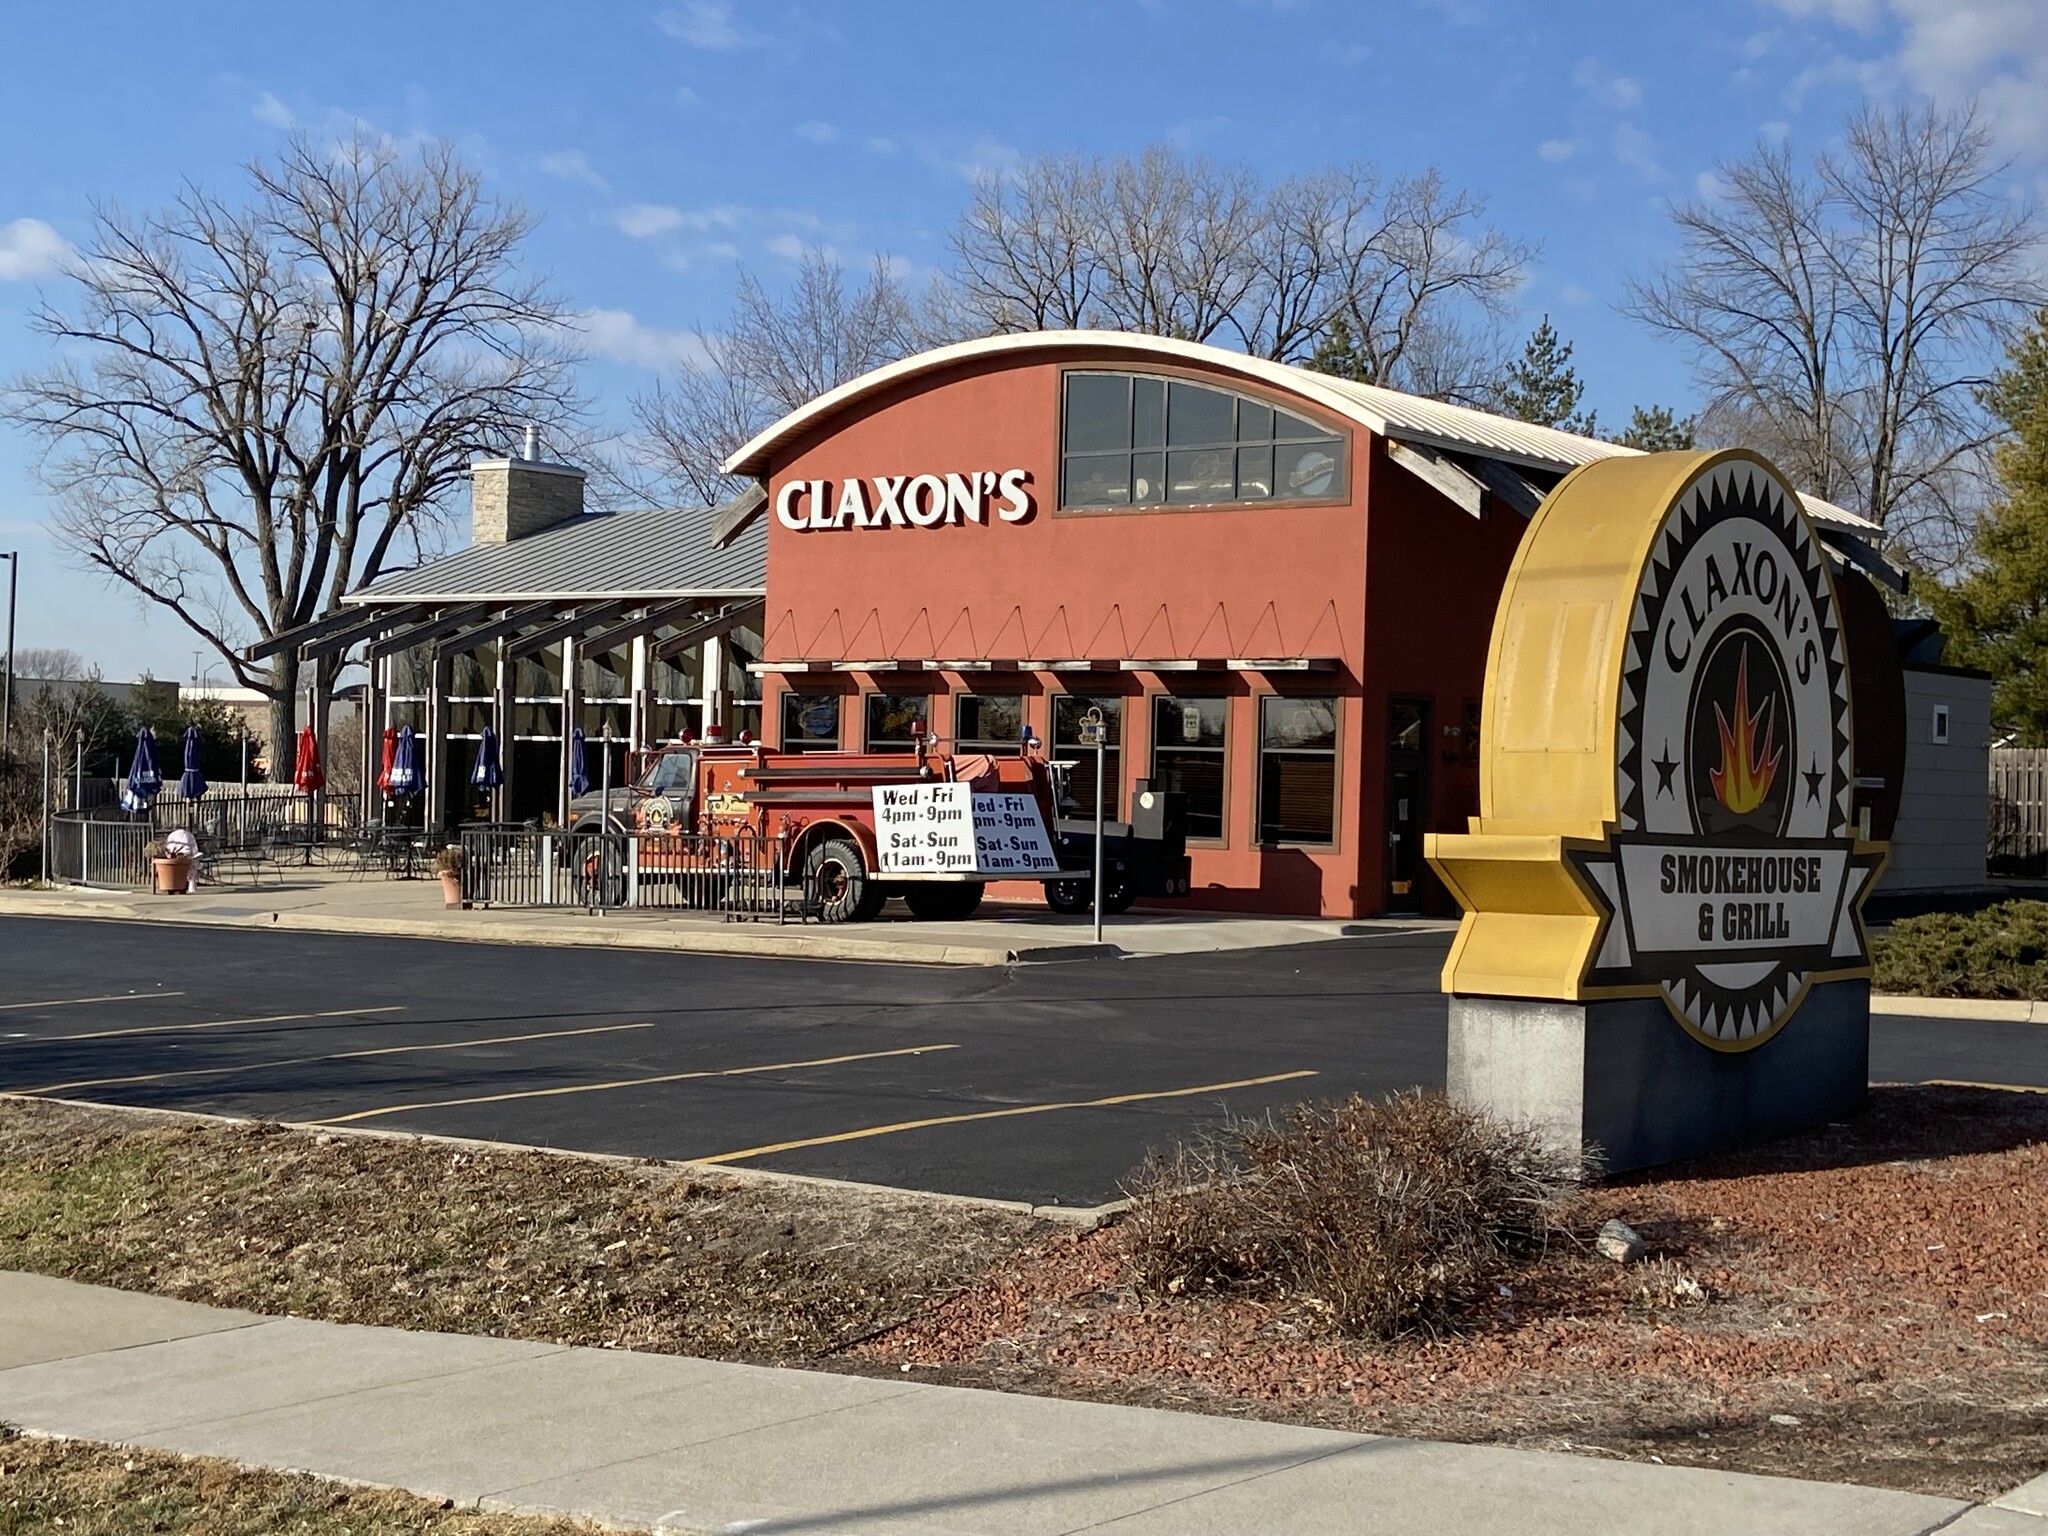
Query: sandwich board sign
x,y
1665,875
950,828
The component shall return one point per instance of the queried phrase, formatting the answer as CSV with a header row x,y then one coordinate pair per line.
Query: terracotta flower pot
x,y
172,876
451,888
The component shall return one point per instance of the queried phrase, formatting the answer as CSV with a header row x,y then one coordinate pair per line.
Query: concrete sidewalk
x,y
690,1445
1005,933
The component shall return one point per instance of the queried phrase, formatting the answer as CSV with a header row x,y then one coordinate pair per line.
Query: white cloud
x,y
788,247
881,146
643,221
1574,295
817,132
707,24
1557,151
1992,51
616,334
30,248
1637,150
268,109
1710,186
1605,88
1776,131
685,96
574,165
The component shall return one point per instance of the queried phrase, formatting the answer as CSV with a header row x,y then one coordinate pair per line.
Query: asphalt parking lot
x,y
1044,1083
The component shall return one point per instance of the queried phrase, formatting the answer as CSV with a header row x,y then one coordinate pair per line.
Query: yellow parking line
x,y
999,1114
165,1029
72,1002
1950,1082
631,1082
306,1061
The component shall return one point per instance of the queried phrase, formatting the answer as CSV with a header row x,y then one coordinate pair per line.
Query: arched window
x,y
1132,440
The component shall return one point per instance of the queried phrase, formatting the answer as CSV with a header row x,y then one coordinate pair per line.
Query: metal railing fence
x,y
741,876
89,849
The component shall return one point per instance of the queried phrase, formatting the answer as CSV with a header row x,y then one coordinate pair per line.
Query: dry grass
x,y
418,1234
1391,1216
97,1490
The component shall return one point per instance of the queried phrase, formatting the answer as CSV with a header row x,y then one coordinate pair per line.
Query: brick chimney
x,y
510,498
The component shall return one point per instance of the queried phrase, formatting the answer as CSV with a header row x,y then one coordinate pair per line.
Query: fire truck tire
x,y
1118,897
1071,897
943,903
838,881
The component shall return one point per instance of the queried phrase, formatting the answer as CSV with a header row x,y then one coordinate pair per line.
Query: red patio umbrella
x,y
390,754
307,775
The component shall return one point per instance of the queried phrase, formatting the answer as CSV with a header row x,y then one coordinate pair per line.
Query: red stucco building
x,y
1278,587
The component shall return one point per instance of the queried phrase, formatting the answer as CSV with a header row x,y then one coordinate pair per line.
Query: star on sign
x,y
1813,777
1665,769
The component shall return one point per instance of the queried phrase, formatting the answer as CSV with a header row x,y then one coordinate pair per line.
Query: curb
x,y
1999,1010
479,928
1086,1217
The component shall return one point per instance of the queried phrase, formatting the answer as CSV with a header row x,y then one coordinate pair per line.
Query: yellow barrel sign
x,y
1666,772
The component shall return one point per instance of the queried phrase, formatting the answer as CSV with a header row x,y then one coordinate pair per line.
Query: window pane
x,y
1254,421
1254,473
1148,413
1098,412
810,722
891,718
1199,776
1297,798
1187,755
1148,479
1298,724
1307,469
1097,480
1067,710
1189,722
1404,727
988,718
1198,476
1198,415
1292,428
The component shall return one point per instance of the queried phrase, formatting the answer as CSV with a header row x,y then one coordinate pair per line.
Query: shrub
x,y
1389,1216
2001,951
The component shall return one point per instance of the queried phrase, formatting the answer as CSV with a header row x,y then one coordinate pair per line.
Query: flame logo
x,y
1747,765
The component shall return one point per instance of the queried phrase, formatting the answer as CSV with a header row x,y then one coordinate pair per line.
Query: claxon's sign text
x,y
906,501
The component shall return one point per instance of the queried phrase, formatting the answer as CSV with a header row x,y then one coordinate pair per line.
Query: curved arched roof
x,y
1388,412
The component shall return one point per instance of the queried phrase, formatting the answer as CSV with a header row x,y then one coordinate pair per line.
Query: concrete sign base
x,y
1622,1075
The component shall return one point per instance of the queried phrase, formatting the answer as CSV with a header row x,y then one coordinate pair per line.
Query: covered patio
x,y
632,626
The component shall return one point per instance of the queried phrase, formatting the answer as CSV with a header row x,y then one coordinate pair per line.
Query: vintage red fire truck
x,y
932,826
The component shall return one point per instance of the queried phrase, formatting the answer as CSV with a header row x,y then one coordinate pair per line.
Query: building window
x,y
1187,755
810,722
1128,440
985,721
1067,710
1298,771
893,719
1940,725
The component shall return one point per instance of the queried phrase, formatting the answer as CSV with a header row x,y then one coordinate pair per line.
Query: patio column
x,y
371,716
711,708
316,717
502,716
641,716
572,699
434,812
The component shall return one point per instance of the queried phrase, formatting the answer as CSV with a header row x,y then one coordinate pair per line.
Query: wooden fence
x,y
2018,811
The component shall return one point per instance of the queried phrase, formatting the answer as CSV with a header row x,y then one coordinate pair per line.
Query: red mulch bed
x,y
1885,1283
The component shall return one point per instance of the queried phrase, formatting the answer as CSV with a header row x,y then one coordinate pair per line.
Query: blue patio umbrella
x,y
489,773
579,774
192,784
405,763
144,782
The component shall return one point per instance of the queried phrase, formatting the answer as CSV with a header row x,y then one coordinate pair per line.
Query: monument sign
x,y
1663,949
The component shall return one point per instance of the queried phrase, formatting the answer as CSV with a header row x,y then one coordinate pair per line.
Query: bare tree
x,y
50,664
1170,246
776,353
1844,314
261,401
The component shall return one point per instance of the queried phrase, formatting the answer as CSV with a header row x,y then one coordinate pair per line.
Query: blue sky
x,y
663,143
